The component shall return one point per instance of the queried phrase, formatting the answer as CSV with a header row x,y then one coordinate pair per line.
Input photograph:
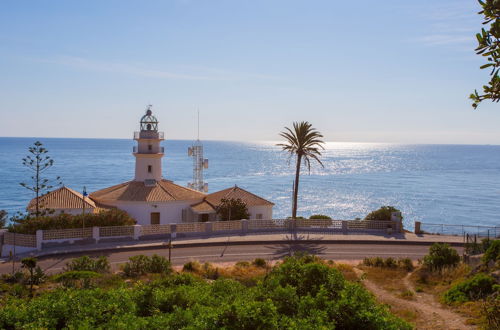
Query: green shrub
x,y
406,263
76,278
477,287
141,265
297,294
390,263
320,216
98,265
159,265
441,255
242,264
259,262
493,252
192,266
112,217
383,213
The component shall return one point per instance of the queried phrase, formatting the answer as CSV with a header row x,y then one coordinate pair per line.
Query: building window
x,y
155,218
259,216
150,147
150,168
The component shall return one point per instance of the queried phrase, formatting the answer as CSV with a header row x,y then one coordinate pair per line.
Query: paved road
x,y
230,253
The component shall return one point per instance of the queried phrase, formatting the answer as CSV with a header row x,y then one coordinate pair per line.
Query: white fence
x,y
63,237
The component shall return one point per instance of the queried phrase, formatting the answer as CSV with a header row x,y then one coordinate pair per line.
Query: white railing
x,y
196,229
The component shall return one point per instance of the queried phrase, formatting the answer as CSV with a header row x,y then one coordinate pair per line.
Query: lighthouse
x,y
148,152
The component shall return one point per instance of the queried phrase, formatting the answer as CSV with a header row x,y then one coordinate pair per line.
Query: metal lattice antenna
x,y
199,163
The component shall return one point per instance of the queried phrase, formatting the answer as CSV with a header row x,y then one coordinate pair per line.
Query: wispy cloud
x,y
191,73
444,39
450,24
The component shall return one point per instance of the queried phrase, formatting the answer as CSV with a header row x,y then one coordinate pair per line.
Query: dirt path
x,y
429,313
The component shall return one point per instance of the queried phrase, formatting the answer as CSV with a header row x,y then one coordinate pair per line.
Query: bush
x,y
113,217
300,293
390,263
192,266
141,265
242,264
320,216
406,263
383,213
441,255
493,252
76,278
259,262
85,263
477,287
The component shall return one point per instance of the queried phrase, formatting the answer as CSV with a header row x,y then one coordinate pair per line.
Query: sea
x,y
444,184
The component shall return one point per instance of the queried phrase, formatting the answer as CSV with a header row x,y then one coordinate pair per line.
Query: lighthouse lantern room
x,y
148,152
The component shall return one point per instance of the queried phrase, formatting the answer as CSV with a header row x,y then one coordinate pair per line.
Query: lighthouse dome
x,y
148,121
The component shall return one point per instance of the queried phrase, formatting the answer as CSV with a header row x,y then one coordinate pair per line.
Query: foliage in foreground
x,y
489,47
298,294
112,217
477,287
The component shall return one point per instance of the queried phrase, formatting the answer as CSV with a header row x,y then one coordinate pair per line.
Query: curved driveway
x,y
232,253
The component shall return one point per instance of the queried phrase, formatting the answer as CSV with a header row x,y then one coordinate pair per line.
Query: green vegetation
x,y
441,255
489,47
404,263
38,162
383,213
3,218
493,252
141,264
320,216
85,263
472,292
305,143
299,293
477,287
232,209
112,217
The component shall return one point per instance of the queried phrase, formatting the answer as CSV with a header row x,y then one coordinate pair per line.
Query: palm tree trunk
x,y
296,187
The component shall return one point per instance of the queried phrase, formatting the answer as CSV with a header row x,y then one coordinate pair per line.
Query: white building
x,y
150,199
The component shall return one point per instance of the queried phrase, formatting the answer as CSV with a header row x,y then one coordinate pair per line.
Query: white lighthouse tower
x,y
148,152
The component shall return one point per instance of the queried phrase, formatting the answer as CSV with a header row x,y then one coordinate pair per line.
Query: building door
x,y
204,217
155,218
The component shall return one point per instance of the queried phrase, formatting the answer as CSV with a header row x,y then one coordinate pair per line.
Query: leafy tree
x,y
305,143
3,218
489,47
30,264
232,209
383,213
38,162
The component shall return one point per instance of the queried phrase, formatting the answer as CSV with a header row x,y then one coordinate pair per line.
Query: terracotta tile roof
x,y
62,198
202,207
236,192
163,191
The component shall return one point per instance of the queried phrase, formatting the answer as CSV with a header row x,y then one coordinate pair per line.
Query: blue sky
x,y
364,71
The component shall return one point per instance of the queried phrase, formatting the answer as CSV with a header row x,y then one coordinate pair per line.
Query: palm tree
x,y
305,142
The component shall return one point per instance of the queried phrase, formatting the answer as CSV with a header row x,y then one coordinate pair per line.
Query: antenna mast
x,y
199,163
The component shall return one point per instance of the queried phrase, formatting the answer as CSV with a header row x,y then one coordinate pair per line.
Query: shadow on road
x,y
296,243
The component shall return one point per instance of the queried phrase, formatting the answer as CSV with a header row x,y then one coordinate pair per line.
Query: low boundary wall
x,y
21,243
